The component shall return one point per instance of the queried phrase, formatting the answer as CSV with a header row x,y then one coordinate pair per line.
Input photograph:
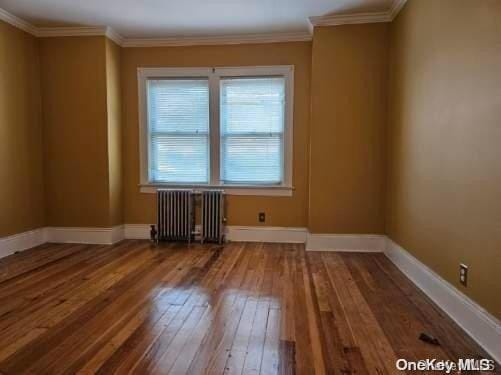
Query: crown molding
x,y
114,36
359,18
17,22
331,20
396,8
52,32
348,19
218,40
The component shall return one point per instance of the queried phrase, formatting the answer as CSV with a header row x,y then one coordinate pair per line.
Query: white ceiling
x,y
171,18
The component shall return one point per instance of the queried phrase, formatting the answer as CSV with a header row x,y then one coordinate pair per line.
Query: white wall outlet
x,y
463,274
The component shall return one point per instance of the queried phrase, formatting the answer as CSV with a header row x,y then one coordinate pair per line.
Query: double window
x,y
217,127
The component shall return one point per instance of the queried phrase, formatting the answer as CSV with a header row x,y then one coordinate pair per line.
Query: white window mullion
x,y
288,141
214,129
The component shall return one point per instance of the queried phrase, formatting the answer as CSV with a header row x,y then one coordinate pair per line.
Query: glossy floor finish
x,y
245,308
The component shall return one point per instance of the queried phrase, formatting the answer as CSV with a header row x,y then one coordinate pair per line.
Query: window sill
x,y
264,191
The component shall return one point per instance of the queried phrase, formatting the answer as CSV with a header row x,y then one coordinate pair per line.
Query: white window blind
x,y
252,130
178,120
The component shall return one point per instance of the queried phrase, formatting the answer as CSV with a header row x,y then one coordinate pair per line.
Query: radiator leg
x,y
153,234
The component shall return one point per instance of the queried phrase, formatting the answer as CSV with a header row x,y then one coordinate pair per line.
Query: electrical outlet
x,y
262,217
463,274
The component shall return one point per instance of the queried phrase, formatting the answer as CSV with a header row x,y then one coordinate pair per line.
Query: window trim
x,y
214,75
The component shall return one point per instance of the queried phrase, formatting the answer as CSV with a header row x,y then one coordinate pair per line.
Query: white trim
x,y
214,75
278,191
137,231
99,236
114,36
26,240
346,242
144,73
266,234
218,40
17,22
117,234
396,8
359,243
236,233
51,32
22,241
348,19
214,129
481,326
107,236
359,18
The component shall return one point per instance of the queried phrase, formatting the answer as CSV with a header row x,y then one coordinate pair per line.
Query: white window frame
x,y
214,75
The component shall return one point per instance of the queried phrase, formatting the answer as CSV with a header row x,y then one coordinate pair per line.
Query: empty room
x,y
250,187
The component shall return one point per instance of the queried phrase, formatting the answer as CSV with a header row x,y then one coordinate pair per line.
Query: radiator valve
x,y
153,234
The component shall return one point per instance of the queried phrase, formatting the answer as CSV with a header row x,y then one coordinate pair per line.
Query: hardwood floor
x,y
245,308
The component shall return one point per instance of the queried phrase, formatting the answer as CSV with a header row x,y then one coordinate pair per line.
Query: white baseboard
x,y
98,236
266,234
484,328
106,236
314,242
117,233
235,233
22,241
346,242
26,240
137,231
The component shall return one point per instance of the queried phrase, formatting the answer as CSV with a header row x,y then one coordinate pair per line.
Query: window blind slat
x,y
252,160
252,126
179,159
178,117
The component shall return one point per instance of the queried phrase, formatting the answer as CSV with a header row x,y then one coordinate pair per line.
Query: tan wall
x,y
21,155
242,210
114,109
444,184
75,131
348,117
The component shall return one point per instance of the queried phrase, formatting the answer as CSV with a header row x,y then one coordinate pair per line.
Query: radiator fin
x,y
212,216
175,215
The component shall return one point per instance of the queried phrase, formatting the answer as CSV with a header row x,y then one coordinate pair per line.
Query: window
x,y
224,127
178,118
252,127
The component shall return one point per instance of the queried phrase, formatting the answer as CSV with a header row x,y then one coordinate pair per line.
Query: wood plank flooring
x,y
244,308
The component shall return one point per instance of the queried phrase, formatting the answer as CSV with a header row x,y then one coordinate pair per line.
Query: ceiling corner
x,y
396,8
114,36
17,22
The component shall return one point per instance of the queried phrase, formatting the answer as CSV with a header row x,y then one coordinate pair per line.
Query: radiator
x,y
212,216
175,215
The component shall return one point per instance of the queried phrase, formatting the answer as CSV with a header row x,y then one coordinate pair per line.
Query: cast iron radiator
x,y
175,212
212,216
176,216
